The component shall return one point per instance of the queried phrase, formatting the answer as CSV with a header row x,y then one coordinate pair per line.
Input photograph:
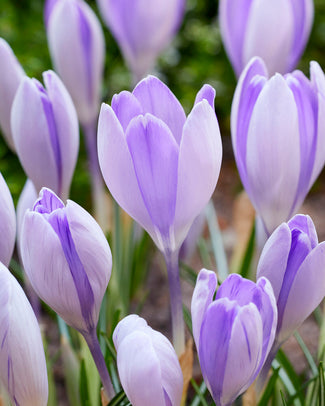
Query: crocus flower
x,y
11,74
233,333
277,127
46,134
142,29
294,263
161,168
22,360
276,31
147,364
7,223
68,261
77,47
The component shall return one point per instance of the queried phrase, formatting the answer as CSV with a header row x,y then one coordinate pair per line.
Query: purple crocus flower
x,y
22,359
233,333
277,127
142,29
147,364
45,131
11,74
7,223
77,47
276,31
68,261
294,263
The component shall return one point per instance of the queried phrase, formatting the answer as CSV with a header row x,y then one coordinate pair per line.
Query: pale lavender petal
x,y
273,183
126,106
208,93
269,34
156,99
21,346
306,292
138,364
204,290
11,74
154,153
7,223
233,17
305,224
127,326
49,5
200,144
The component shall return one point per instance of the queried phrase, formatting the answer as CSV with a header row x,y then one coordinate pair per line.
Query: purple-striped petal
x,y
126,106
208,93
7,223
304,224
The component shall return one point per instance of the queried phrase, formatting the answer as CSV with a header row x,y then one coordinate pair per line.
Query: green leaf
x,y
118,399
245,267
199,398
83,386
187,273
268,392
321,392
307,353
187,318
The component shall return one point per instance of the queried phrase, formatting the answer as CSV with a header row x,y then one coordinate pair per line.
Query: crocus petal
x,y
138,363
154,154
204,290
200,144
273,183
126,106
26,202
127,326
21,346
156,99
11,74
306,293
206,92
305,224
7,223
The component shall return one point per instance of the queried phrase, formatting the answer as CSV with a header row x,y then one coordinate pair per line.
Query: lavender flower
x,y
147,364
68,261
22,360
46,134
233,333
277,127
11,74
276,31
7,223
142,29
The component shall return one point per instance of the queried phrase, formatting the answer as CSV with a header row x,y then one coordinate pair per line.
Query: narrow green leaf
x,y
187,318
199,398
118,399
83,386
187,273
284,403
246,264
268,392
307,353
321,392
204,253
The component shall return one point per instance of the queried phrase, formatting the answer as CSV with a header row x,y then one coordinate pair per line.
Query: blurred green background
x,y
195,57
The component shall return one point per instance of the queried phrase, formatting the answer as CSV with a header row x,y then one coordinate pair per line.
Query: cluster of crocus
x,y
142,29
68,261
276,31
233,333
45,131
277,127
161,167
146,356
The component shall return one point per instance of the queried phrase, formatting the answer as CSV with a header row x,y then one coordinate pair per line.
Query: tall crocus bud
x,y
46,134
22,360
77,47
7,223
277,127
142,29
294,263
160,166
147,364
276,31
68,261
233,333
11,74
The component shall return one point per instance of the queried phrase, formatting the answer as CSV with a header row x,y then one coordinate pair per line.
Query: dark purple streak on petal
x,y
85,34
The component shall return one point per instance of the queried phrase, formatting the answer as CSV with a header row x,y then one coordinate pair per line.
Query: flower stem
x,y
97,183
178,326
95,350
262,377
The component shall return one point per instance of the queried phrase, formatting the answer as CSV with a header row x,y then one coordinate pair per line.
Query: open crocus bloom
x,y
233,333
277,127
160,166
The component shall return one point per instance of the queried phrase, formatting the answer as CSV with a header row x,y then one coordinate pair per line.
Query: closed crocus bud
x,y
160,166
7,223
46,133
142,28
233,333
11,74
77,47
22,360
277,128
276,31
147,364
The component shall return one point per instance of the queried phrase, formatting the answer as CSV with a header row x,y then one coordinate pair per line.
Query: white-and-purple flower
x,y
7,223
278,127
276,31
233,333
